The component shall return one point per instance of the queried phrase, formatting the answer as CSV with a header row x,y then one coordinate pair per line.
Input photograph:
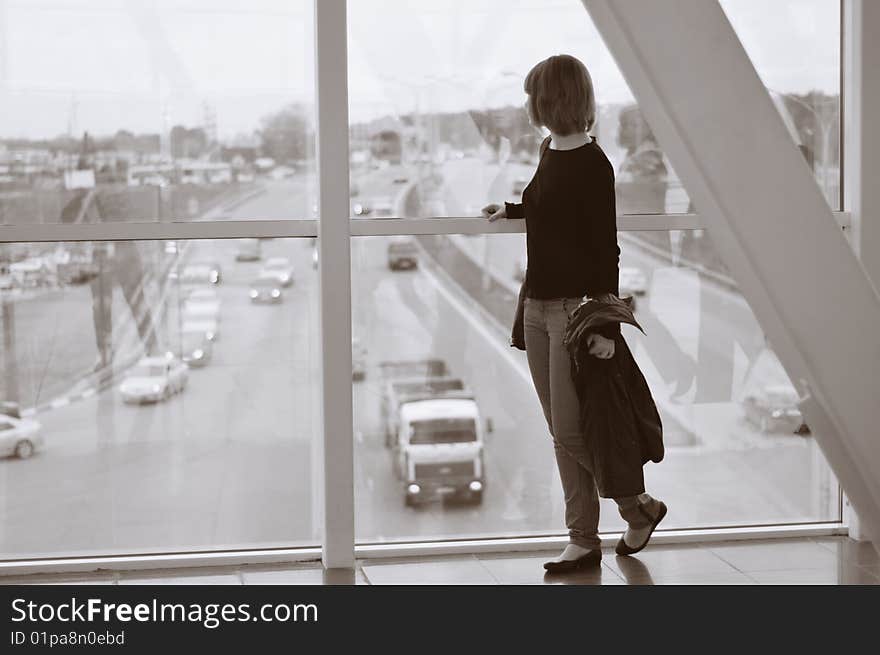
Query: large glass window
x,y
166,110
449,117
157,396
431,316
800,65
162,396
443,131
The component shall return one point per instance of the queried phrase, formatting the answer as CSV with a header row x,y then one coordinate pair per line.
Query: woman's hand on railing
x,y
494,211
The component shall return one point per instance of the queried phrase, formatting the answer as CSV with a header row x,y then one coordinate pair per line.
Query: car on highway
x,y
19,437
279,269
154,180
435,432
154,379
215,272
207,326
282,172
519,185
198,309
379,207
202,294
195,347
358,359
77,269
774,409
632,281
31,273
383,207
196,274
266,289
402,253
248,250
360,208
10,408
220,177
401,180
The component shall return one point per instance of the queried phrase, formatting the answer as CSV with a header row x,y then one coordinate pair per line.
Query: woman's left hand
x,y
601,347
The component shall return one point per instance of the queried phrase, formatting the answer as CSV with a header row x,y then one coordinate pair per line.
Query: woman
x,y
571,238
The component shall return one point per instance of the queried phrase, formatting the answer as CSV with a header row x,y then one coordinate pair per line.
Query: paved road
x,y
230,462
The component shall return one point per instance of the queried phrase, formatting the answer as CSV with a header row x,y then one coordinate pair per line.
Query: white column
x,y
768,218
861,150
334,275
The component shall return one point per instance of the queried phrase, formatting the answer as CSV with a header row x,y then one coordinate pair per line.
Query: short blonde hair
x,y
561,95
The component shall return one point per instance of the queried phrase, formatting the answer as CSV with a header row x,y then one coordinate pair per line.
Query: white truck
x,y
435,432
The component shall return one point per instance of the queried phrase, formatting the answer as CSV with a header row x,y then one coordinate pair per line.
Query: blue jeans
x,y
549,363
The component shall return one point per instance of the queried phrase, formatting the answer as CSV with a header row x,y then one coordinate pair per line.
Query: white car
x,y
775,408
248,250
154,379
266,290
206,326
282,172
203,294
19,437
154,180
201,309
279,269
383,207
197,274
195,348
632,282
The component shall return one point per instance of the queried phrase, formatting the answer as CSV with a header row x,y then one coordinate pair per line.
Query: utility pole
x,y
10,366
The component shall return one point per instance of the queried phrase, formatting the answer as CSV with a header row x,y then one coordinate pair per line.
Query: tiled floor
x,y
827,560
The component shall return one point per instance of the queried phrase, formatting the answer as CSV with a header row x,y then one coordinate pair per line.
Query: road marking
x,y
479,327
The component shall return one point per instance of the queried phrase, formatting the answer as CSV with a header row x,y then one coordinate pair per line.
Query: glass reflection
x,y
739,451
149,403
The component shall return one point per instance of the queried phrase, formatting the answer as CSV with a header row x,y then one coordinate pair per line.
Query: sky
x,y
146,65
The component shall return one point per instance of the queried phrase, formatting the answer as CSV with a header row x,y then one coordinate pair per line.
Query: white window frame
x,y
335,229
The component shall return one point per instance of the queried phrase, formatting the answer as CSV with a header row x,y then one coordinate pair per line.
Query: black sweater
x,y
571,225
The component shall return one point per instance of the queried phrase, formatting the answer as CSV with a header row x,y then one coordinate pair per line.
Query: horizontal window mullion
x,y
470,225
113,231
120,231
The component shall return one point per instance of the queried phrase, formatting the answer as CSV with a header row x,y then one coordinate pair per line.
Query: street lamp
x,y
823,121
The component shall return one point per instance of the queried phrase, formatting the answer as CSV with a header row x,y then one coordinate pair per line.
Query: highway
x,y
231,461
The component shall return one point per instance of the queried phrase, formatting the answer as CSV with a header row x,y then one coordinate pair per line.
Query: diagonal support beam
x,y
768,219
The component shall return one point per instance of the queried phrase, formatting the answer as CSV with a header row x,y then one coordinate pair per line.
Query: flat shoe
x,y
588,559
624,549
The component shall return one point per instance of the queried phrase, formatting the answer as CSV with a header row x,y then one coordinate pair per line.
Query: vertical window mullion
x,y
334,275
